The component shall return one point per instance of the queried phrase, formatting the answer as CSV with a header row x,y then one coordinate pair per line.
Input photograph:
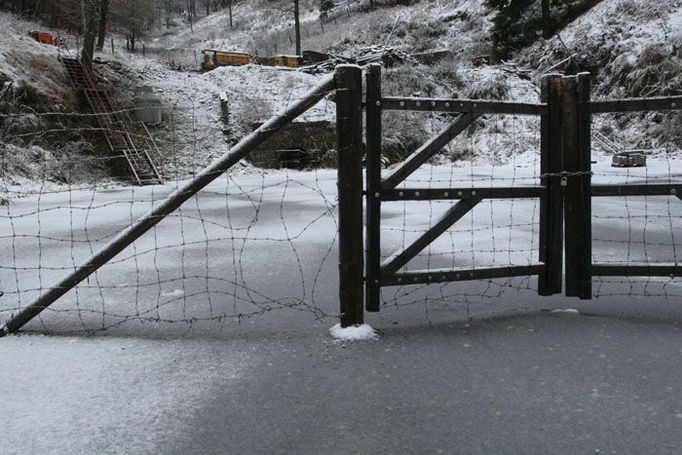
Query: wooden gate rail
x,y
391,103
430,148
656,189
636,105
442,194
447,275
380,190
660,270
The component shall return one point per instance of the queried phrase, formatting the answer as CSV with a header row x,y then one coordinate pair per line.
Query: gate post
x,y
349,148
550,279
373,160
577,130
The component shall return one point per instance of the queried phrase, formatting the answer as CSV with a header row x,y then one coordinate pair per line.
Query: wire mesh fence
x,y
638,230
634,236
495,151
258,239
262,239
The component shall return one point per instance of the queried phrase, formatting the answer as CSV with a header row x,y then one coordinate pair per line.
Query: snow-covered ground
x,y
191,134
64,395
262,246
252,244
255,254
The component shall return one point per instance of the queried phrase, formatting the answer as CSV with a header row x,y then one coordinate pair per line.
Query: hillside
x,y
630,50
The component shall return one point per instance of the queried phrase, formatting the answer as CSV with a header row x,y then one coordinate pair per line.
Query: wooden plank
x,y
373,205
455,213
670,270
457,105
661,189
637,105
584,119
434,194
430,148
545,147
446,275
349,146
550,280
577,220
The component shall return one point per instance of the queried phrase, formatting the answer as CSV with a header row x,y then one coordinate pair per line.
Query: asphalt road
x,y
538,383
473,368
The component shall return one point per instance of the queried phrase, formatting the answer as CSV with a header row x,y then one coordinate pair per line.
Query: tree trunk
x,y
167,7
88,47
229,6
104,8
189,15
89,14
546,32
297,26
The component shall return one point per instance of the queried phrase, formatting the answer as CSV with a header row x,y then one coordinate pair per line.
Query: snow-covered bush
x,y
447,72
494,87
519,23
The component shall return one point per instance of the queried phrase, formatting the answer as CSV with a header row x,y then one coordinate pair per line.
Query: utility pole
x,y
297,26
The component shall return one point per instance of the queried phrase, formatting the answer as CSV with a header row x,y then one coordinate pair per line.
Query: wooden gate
x,y
378,274
578,110
565,191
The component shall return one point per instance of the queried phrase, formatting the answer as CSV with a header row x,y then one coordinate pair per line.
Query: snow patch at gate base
x,y
353,333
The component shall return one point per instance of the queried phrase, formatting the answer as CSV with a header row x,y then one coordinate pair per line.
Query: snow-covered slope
x,y
191,134
30,64
630,49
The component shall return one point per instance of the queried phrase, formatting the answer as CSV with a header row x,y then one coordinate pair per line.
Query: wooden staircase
x,y
125,137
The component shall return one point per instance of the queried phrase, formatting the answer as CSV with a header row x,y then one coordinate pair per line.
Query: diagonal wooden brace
x,y
430,148
454,214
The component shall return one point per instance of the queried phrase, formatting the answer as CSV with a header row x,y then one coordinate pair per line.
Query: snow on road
x,y
63,395
254,244
248,244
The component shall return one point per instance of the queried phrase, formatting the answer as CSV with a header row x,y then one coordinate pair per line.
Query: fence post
x,y
349,147
578,197
551,205
373,204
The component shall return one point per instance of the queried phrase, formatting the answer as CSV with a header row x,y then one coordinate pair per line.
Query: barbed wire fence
x,y
261,239
258,239
639,230
496,150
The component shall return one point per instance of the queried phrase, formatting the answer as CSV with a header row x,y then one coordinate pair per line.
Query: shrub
x,y
519,23
447,71
494,87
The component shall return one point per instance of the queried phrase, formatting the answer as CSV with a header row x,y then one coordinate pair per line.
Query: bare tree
x,y
102,26
545,19
90,10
